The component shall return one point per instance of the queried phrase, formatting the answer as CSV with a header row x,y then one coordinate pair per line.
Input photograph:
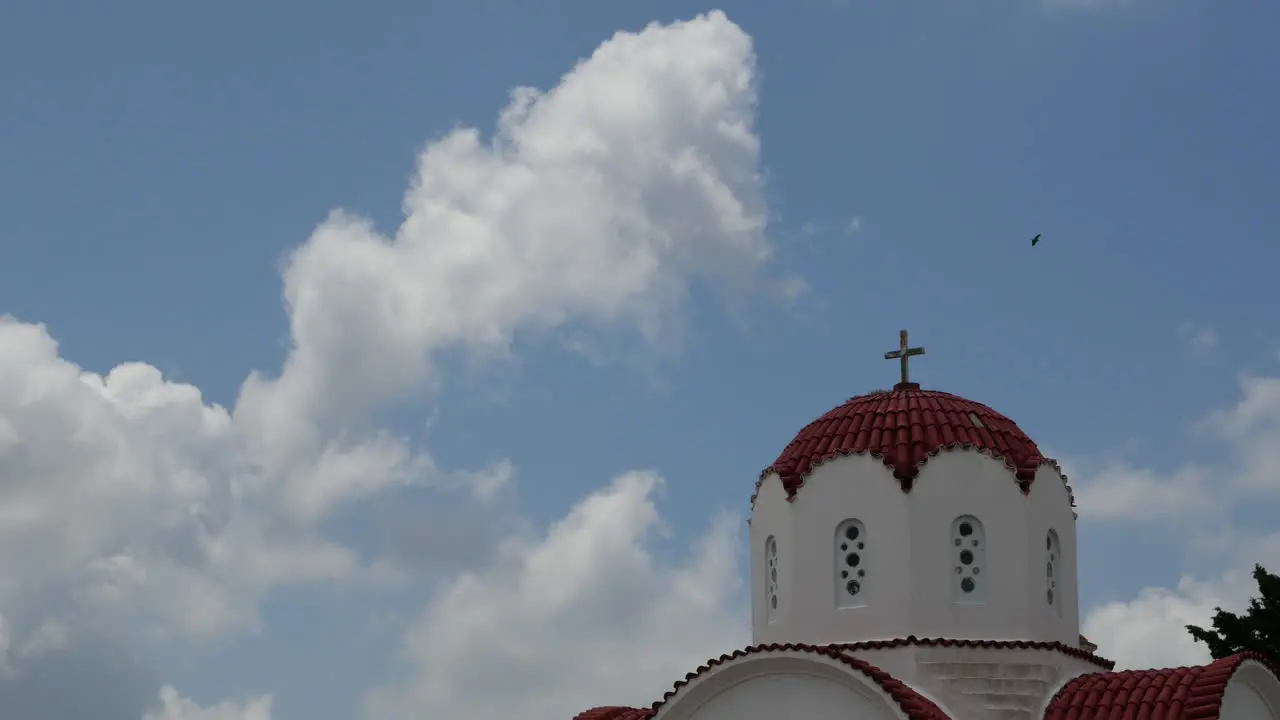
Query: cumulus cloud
x,y
598,203
582,615
1248,434
173,706
1200,338
52,675
1121,491
1252,428
1150,630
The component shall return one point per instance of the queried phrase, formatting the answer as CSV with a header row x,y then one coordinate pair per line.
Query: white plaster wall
x,y
789,696
965,482
953,676
769,688
857,487
771,516
1252,694
909,552
995,683
1049,506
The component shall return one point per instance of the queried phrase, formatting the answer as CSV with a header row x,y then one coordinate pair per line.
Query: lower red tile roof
x,y
904,428
912,703
614,713
1183,693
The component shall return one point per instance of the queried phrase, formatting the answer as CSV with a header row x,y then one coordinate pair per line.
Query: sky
x,y
397,360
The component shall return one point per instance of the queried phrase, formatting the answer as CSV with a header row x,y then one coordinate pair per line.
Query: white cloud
x,y
1150,630
1252,430
854,226
1248,435
1200,338
583,615
599,203
1123,492
173,706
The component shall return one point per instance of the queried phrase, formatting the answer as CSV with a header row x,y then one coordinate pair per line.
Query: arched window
x,y
969,577
851,564
770,578
1053,564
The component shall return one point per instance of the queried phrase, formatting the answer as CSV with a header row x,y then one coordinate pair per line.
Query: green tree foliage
x,y
1258,629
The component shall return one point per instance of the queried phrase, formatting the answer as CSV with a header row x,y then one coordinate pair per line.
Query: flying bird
x,y
1035,240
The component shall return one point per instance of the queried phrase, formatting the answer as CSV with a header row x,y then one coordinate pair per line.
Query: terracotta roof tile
x,y
614,713
904,427
1183,693
912,703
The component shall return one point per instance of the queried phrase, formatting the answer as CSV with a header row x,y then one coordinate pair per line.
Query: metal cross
x,y
902,353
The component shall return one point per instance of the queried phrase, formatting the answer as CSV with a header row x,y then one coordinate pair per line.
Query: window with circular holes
x,y
851,564
770,578
1052,562
969,576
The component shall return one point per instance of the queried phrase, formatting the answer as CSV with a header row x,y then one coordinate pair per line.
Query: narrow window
x,y
969,559
770,578
851,564
1053,564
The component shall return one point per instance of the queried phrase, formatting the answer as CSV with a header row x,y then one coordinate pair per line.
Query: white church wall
x,y
996,683
910,586
967,483
1049,507
770,518
846,488
1252,694
772,687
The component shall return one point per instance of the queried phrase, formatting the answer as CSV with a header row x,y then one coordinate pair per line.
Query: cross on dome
x,y
902,354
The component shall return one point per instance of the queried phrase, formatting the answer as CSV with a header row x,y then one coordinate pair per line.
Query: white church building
x,y
913,557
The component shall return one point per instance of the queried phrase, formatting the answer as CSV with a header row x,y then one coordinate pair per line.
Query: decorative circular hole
x,y
852,559
967,585
958,541
1048,542
861,545
975,542
844,573
959,569
774,574
1050,597
851,532
1048,569
966,529
844,546
966,557
853,587
862,573
773,601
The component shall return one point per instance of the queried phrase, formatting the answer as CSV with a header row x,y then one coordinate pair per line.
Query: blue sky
x,y
162,164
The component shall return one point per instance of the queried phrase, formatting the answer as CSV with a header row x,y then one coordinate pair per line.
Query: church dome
x,y
904,427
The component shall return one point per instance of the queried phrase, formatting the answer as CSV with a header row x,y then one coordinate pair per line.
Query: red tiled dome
x,y
904,427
